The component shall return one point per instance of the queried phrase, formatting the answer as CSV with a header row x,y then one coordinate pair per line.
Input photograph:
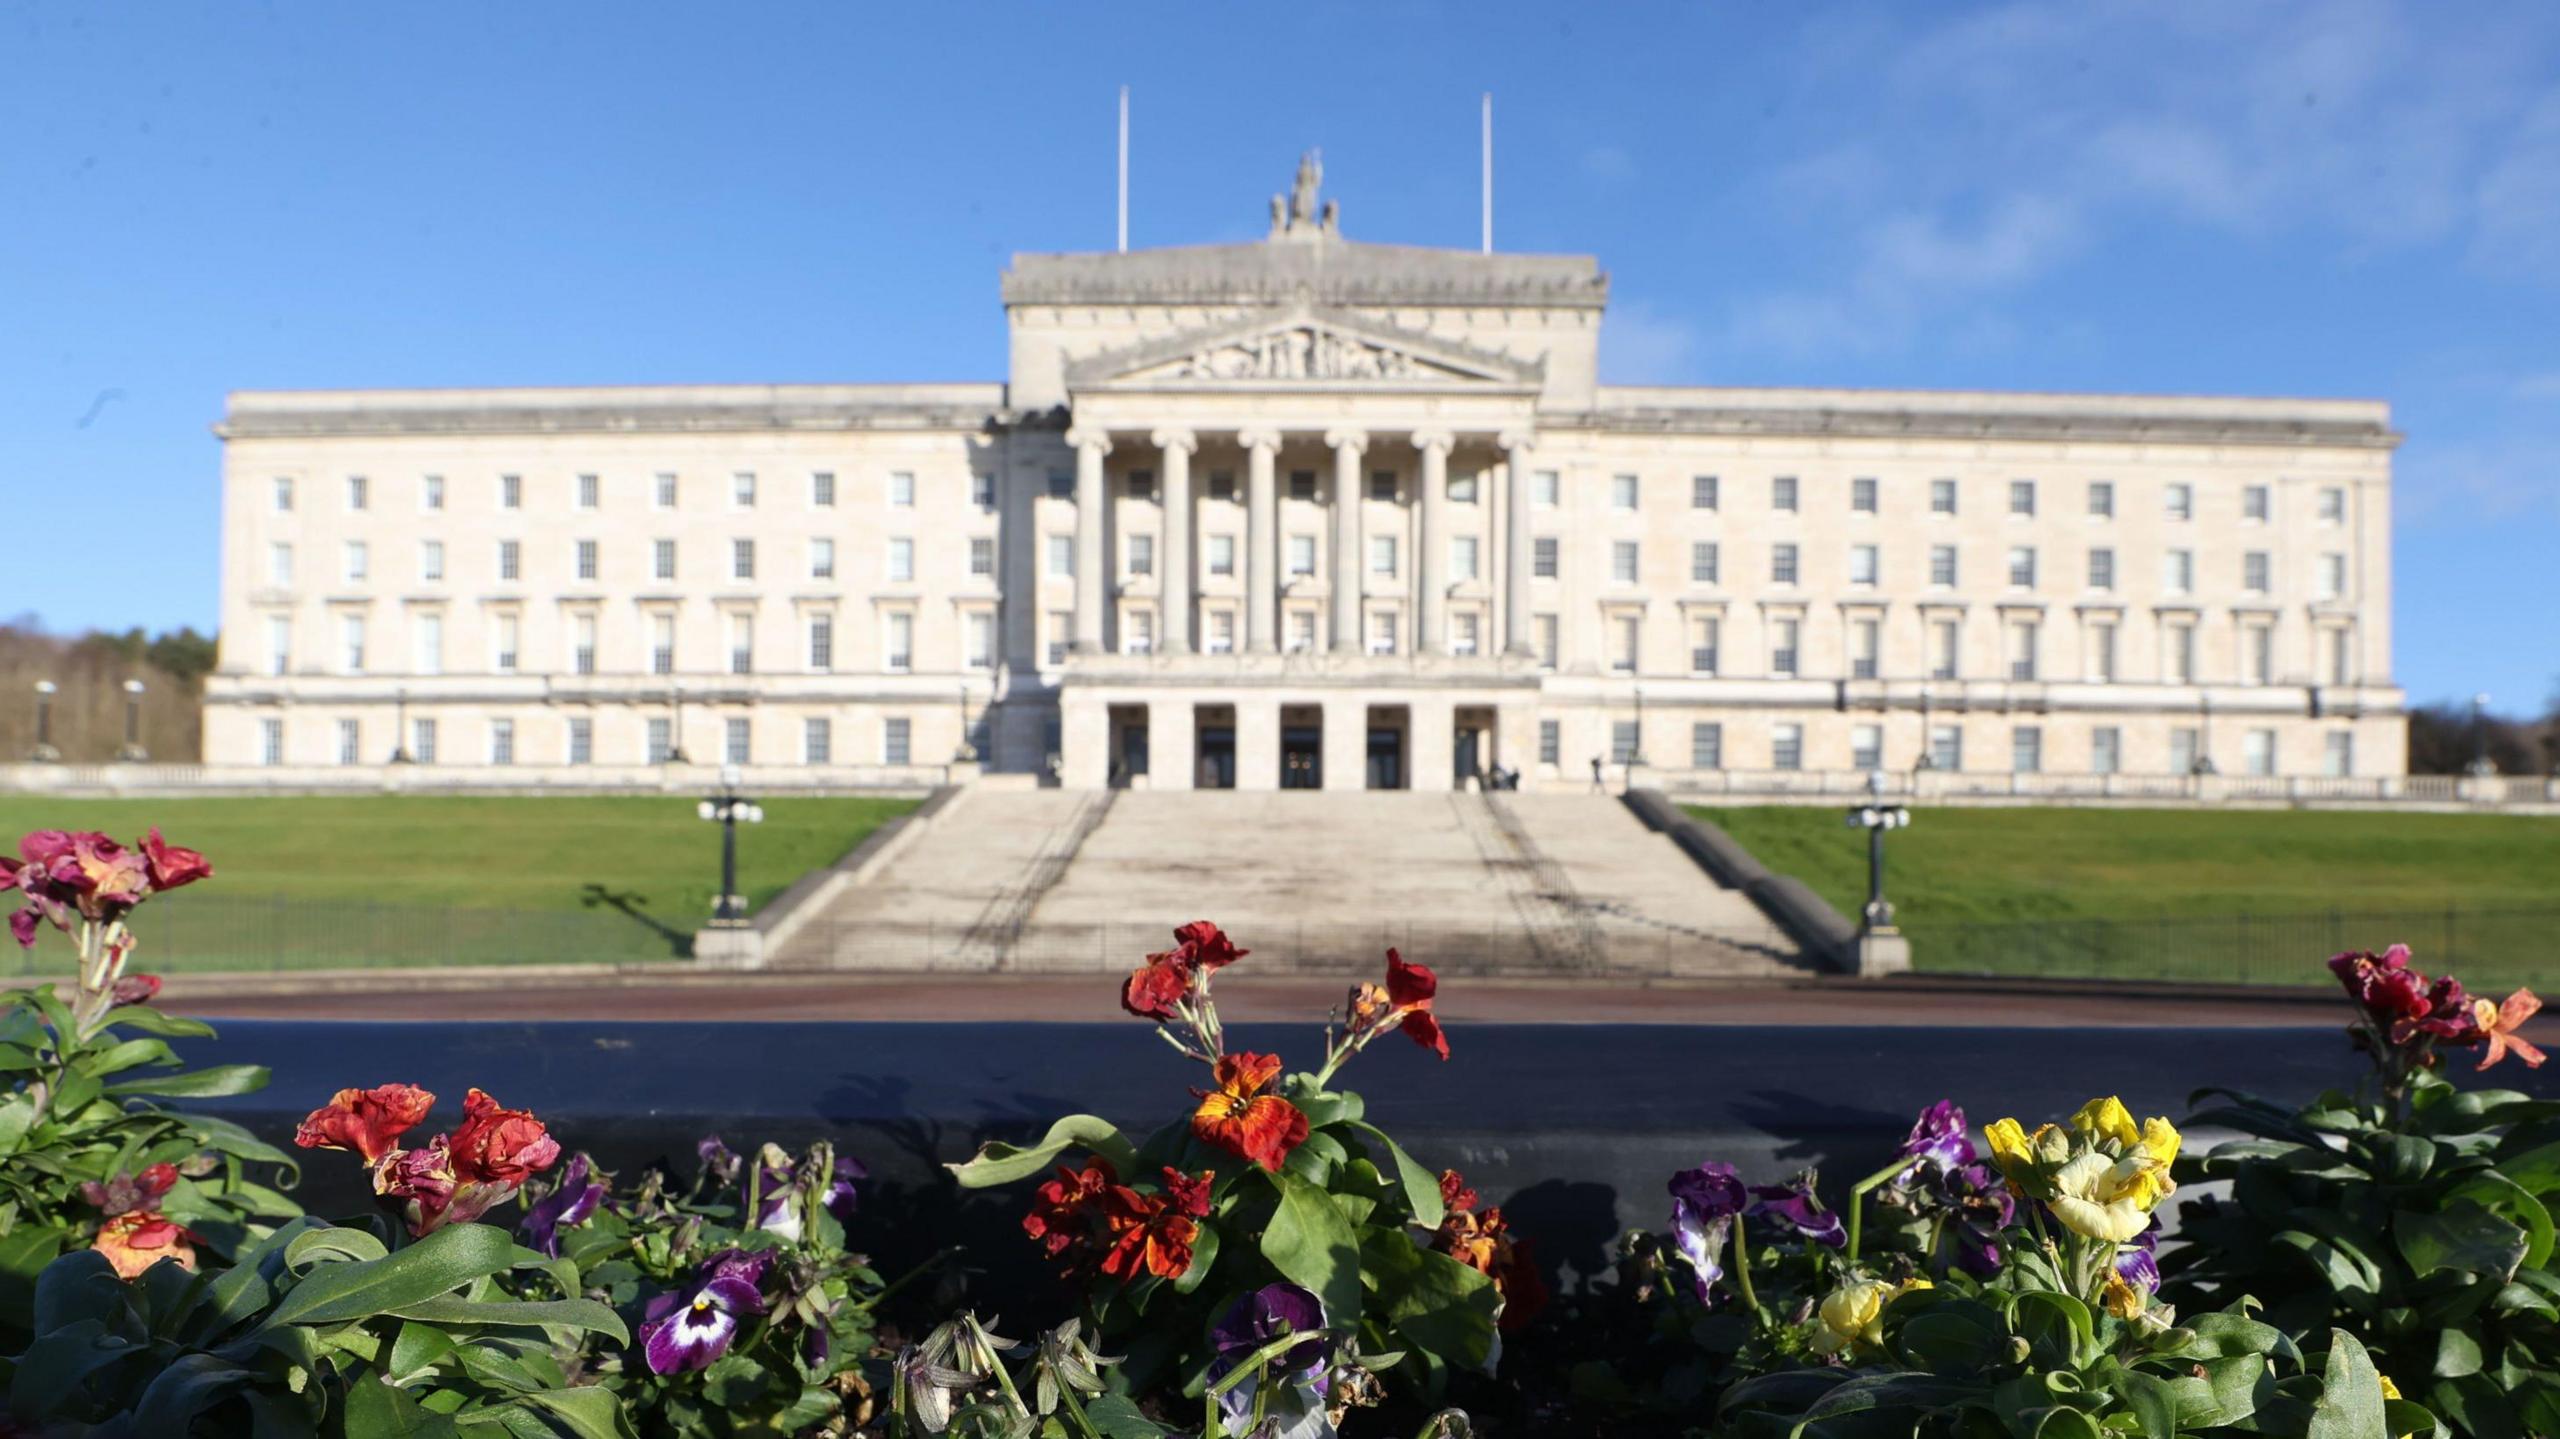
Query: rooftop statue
x,y
1301,212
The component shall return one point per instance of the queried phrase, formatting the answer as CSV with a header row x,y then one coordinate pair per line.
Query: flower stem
x,y
1742,1274
1858,1198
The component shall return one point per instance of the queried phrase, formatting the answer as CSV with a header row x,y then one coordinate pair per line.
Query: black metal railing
x,y
211,933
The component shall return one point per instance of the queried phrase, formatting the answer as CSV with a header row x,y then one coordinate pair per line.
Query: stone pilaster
x,y
1348,566
1516,571
1174,581
1092,498
1431,562
1262,567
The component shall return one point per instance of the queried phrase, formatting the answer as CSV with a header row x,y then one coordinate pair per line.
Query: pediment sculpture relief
x,y
1304,353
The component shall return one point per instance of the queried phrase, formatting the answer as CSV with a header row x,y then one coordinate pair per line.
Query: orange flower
x,y
495,1145
1242,1120
138,1239
2504,1025
1062,1209
1484,1243
1154,1233
368,1121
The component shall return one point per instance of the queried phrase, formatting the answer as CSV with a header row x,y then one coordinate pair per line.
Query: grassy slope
x,y
449,855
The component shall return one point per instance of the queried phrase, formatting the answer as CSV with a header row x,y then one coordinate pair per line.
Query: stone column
x,y
1091,499
1084,741
1431,744
1516,572
1173,749
1431,562
1174,582
1348,569
1261,555
1257,743
1346,741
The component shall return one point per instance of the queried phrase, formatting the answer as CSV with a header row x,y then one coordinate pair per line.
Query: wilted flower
x,y
135,1240
496,1145
1795,1205
1852,1315
687,1330
368,1121
1065,1210
571,1202
1483,1241
1295,1405
2117,1174
1155,988
932,1378
170,867
124,1193
1241,1119
2503,1025
719,1162
451,1179
135,989
1705,1202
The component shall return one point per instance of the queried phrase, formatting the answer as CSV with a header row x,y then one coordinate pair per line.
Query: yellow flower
x,y
2107,1119
2389,1389
1853,1314
2107,1199
2160,1141
2008,1141
2122,1299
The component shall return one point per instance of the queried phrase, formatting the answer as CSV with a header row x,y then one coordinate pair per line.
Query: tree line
x,y
88,672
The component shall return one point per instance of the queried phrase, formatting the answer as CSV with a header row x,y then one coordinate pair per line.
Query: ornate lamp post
x,y
675,725
2480,736
1881,948
727,809
44,752
1635,757
133,752
400,727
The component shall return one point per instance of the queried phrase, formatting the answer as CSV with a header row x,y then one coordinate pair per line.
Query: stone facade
x,y
1305,512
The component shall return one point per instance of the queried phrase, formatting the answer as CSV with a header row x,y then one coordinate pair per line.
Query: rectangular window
x,y
582,652
1222,632
2102,652
1942,566
980,640
1302,555
2178,665
2333,576
279,644
822,559
1462,557
742,559
1382,554
359,559
902,490
2106,750
742,644
2255,503
1062,633
586,559
1465,632
1702,492
1866,747
1944,651
1622,562
2026,749
2260,646
1862,565
817,740
2333,506
662,559
2185,754
2178,572
271,741
2022,649
1626,741
1782,493
1706,745
662,740
982,491
1782,564
1862,496
510,559
982,556
1302,632
2102,568
350,742
1542,557
582,741
2178,501
1222,554
2022,567
510,492
902,641
1630,644
429,659
1302,485
1703,562
1062,486
2254,576
1946,748
1785,639
502,741
822,643
1706,644
283,495
1138,632
662,491
1062,557
1463,489
431,560
431,492
1866,641
742,490
1550,741
1547,630
1222,485
1546,489
902,559
1142,554
1942,497
1786,746
2341,657
2258,751
507,639
422,741
822,491
1382,485
359,491
735,742
589,492
2022,497
280,565
1622,492
662,644
2338,754
351,644
2102,499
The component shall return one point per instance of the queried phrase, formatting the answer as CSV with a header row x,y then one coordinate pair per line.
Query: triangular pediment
x,y
1306,345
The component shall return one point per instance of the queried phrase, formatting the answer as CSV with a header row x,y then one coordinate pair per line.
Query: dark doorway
x,y
1302,757
1128,745
1217,766
1386,758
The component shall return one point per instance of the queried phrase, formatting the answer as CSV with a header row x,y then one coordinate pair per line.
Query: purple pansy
x,y
2138,1263
1794,1205
1982,1207
1704,1203
1939,1137
841,1196
570,1203
688,1330
719,1161
1296,1404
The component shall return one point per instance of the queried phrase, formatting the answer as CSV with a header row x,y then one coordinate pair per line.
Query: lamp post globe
x,y
729,809
44,752
132,752
1875,817
2480,735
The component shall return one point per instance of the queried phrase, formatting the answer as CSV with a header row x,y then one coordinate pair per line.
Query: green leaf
x,y
59,1361
1116,1416
417,1348
145,1019
438,1264
1000,1163
2350,1402
1431,1301
24,1254
2497,1192
210,1083
17,1116
1204,1256
2463,1236
375,1410
332,1244
1310,1242
583,1314
1421,1186
79,1285
190,1385
2457,1354
131,1054
586,1413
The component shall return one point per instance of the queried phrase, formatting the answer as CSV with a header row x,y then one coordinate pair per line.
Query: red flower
x,y
171,867
1062,1212
1206,946
1153,1233
137,989
420,1185
1484,1243
500,1146
1455,1196
1242,1120
1155,987
1410,988
2504,1025
136,1240
368,1121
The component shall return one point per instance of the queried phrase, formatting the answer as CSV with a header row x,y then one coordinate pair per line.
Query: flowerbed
x,y
1266,1261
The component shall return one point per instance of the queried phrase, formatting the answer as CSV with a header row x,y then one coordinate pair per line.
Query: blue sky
x,y
2321,199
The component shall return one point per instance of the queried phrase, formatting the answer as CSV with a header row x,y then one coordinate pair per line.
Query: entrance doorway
x,y
1386,746
1471,747
1214,765
1128,746
1301,748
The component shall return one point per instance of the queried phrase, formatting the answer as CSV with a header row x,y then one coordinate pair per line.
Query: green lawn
x,y
442,879
2218,894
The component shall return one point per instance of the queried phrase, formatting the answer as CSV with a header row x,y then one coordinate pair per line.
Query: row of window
x,y
586,560
427,643
588,491
421,744
1945,748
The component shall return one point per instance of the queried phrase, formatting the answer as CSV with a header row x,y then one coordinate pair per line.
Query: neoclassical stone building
x,y
1307,512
